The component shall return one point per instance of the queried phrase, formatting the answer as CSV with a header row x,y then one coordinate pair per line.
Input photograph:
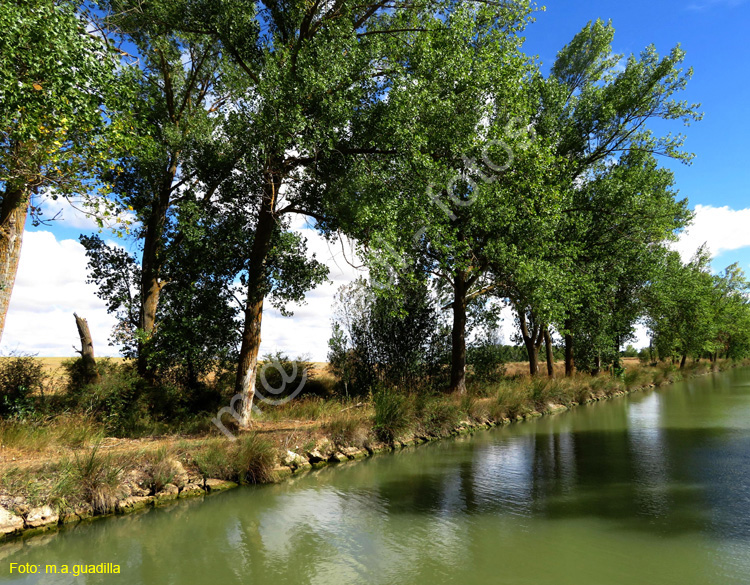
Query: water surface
x,y
652,488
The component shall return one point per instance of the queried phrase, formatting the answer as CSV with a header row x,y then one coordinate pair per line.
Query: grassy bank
x,y
66,467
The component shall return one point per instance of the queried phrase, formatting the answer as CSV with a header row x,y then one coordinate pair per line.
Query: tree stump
x,y
87,351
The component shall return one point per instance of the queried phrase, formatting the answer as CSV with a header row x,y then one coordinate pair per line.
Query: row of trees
x,y
420,129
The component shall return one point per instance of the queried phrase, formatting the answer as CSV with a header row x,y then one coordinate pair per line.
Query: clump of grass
x,y
660,377
212,459
346,430
581,393
250,459
539,393
438,416
97,478
254,460
473,408
511,402
605,385
633,378
393,415
157,465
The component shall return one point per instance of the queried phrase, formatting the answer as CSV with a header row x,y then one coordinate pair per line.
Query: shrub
x,y
487,361
392,415
117,400
279,376
20,377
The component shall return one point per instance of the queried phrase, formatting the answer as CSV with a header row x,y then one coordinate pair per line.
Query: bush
x,y
487,361
116,401
392,415
279,376
20,377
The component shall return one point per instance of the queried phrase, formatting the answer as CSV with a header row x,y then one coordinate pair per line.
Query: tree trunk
x,y
597,365
532,339
684,359
151,266
458,335
248,361
616,363
87,351
15,206
569,364
550,354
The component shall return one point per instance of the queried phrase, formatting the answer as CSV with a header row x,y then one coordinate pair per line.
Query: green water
x,y
653,489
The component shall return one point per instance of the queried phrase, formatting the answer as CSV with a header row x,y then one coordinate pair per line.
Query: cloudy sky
x,y
51,282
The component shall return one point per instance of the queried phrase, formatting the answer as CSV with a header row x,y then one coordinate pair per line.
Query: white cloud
x,y
722,228
50,287
307,332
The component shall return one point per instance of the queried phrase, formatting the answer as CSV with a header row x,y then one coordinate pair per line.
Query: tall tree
x,y
597,112
180,157
682,307
463,109
54,81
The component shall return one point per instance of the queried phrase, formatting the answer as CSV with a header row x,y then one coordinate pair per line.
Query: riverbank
x,y
57,485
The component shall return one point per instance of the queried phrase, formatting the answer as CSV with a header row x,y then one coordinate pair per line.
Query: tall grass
x,y
437,416
347,429
97,478
250,459
393,415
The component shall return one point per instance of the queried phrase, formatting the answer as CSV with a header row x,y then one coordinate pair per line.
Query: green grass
x,y
393,415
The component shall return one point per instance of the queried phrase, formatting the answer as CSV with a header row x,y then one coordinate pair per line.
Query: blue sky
x,y
51,282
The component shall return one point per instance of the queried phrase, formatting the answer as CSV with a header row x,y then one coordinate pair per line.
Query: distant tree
x,y
681,308
732,313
